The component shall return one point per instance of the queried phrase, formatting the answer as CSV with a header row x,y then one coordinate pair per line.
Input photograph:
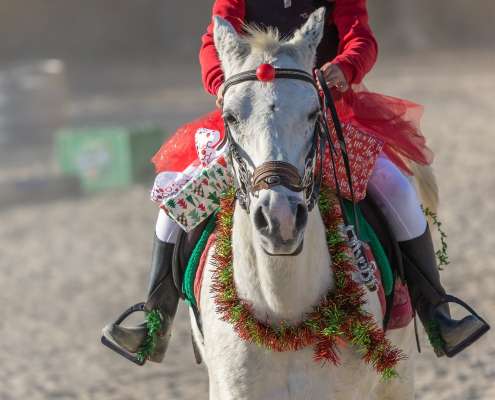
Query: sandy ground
x,y
70,266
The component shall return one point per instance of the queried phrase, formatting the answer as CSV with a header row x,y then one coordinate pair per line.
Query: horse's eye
x,y
313,115
230,118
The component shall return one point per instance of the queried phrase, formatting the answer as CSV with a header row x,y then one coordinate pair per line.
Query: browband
x,y
252,75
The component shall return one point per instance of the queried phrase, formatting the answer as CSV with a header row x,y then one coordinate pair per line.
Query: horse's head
x,y
272,128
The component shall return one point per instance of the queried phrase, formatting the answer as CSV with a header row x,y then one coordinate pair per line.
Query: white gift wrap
x,y
191,196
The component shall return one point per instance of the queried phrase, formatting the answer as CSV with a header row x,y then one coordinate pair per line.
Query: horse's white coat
x,y
274,125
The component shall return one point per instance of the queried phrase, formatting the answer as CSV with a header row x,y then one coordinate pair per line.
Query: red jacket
x,y
357,45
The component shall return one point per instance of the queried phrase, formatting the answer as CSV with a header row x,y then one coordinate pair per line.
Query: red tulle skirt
x,y
394,121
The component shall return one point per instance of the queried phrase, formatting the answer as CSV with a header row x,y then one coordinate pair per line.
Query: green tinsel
x,y
388,374
434,336
324,204
361,335
153,325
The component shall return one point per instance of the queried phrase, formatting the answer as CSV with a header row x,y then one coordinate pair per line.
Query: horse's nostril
x,y
260,220
301,217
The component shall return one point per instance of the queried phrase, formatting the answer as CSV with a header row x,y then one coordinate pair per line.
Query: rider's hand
x,y
219,101
335,77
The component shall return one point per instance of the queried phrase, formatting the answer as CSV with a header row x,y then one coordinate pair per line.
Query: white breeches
x,y
166,229
396,196
390,188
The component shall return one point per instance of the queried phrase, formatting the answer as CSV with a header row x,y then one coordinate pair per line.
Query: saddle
x,y
184,248
187,243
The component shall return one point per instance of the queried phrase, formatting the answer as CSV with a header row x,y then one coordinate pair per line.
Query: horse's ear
x,y
307,38
229,45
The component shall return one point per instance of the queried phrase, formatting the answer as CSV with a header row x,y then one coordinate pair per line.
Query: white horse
x,y
275,122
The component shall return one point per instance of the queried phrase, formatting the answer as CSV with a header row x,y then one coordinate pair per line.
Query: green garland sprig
x,y
340,317
442,253
153,325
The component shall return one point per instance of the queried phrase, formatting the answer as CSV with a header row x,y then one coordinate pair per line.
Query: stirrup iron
x,y
111,344
484,326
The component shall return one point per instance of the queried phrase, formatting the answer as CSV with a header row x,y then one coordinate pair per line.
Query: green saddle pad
x,y
368,235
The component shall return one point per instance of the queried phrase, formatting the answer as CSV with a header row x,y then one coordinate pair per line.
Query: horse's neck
x,y
281,288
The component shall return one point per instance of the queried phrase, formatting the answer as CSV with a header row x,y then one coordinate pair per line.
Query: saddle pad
x,y
198,280
196,258
368,235
402,311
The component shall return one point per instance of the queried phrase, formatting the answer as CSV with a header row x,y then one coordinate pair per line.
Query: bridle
x,y
280,173
277,173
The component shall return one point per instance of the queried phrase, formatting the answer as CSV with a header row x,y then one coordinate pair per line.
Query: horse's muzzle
x,y
280,217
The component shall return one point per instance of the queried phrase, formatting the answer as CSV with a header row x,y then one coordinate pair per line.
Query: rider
x,y
346,54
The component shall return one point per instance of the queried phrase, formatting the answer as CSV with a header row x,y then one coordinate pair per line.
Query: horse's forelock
x,y
265,40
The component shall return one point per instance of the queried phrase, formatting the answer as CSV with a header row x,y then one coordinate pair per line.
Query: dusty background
x,y
69,265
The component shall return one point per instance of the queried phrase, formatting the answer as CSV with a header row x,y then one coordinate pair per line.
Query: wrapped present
x,y
362,150
191,196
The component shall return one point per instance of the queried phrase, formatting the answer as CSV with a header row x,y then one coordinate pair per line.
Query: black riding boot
x,y
447,336
135,343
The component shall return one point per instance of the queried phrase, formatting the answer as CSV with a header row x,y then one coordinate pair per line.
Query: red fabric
x,y
402,309
357,48
394,121
211,71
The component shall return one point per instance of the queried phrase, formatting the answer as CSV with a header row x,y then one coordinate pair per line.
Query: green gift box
x,y
106,158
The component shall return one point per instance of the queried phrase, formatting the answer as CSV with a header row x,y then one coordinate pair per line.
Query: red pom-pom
x,y
265,73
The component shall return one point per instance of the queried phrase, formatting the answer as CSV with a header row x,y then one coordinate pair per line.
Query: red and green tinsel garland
x,y
339,317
